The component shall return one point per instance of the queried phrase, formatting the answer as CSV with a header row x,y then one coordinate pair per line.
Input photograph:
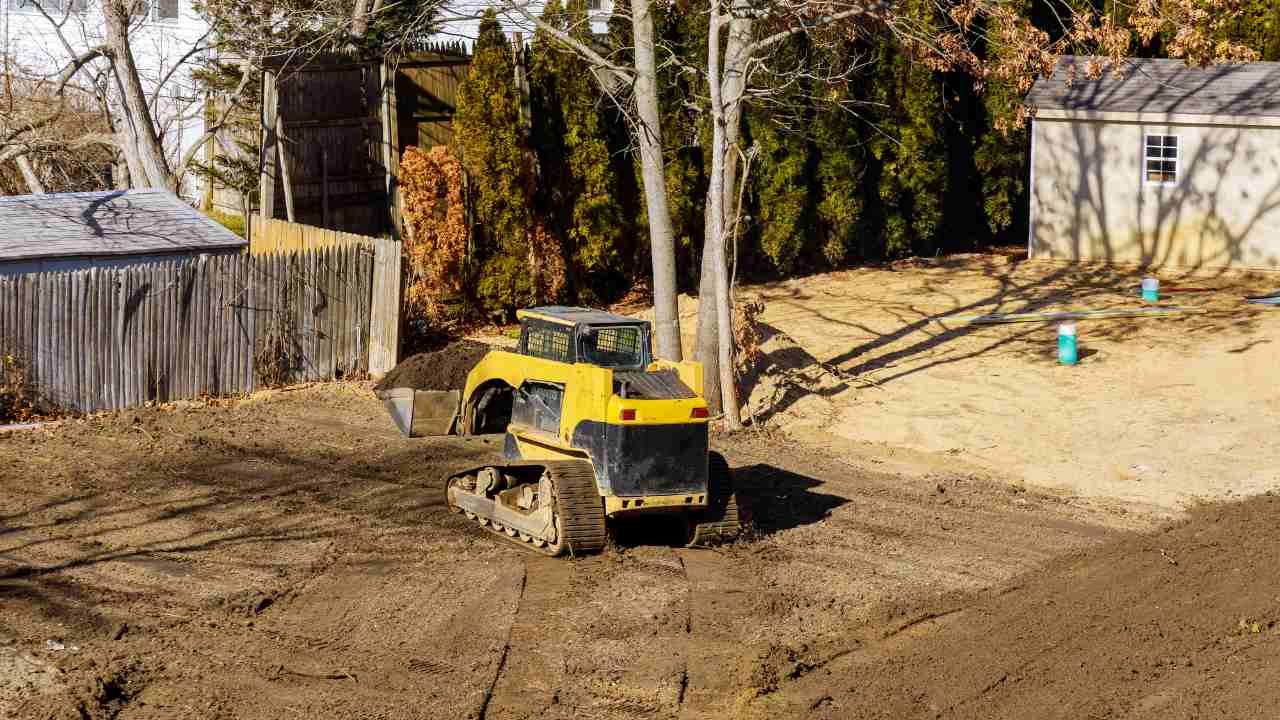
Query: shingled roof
x,y
1165,87
114,223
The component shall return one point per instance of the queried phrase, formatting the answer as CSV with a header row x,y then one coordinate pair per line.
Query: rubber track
x,y
578,506
721,521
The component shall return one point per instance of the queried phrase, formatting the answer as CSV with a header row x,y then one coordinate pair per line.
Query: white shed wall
x,y
1090,201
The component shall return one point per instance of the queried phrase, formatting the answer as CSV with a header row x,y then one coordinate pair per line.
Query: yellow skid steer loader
x,y
593,428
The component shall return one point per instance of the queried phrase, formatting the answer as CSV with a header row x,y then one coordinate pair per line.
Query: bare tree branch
x,y
591,56
771,40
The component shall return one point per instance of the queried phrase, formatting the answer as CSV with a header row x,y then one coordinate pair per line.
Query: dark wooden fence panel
x,y
106,339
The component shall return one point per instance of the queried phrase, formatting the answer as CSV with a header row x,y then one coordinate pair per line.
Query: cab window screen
x,y
614,346
549,342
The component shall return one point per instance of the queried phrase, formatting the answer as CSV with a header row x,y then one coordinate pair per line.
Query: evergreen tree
x,y
490,145
781,180
781,174
577,192
1000,158
1259,27
909,145
840,171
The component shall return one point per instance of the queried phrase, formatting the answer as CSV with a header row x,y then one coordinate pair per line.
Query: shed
x,y
1160,165
73,231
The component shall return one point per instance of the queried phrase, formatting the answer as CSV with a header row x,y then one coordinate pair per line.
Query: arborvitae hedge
x,y
489,142
896,160
577,190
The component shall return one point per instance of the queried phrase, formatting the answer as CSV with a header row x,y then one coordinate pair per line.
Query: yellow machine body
x,y
642,424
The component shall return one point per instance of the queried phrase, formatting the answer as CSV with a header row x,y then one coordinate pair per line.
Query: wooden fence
x,y
106,339
273,236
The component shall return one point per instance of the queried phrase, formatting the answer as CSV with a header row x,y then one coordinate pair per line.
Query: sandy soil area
x,y
1159,411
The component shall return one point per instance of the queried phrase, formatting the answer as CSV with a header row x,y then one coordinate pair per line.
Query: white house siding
x,y
158,44
1089,200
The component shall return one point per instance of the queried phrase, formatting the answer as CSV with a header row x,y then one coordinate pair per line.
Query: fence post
x,y
384,312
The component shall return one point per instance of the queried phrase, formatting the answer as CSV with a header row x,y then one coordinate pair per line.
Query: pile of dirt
x,y
1181,623
444,369
785,378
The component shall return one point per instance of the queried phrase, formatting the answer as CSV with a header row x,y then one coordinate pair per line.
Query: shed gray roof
x,y
1251,90
118,222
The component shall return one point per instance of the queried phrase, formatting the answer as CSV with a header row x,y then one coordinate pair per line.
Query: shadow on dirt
x,y
213,496
779,499
913,335
771,499
783,374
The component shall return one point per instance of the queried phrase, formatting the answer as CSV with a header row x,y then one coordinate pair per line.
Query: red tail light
x,y
700,412
627,414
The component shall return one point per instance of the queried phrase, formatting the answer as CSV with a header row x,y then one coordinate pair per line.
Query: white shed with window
x,y
1168,165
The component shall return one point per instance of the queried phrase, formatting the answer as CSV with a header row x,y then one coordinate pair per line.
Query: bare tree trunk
x,y
360,16
717,193
132,163
149,150
732,82
707,350
662,243
29,175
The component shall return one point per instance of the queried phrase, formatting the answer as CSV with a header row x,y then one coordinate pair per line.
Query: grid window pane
x,y
1161,156
551,343
613,346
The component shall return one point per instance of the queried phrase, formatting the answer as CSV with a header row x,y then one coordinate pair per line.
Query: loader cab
x,y
579,335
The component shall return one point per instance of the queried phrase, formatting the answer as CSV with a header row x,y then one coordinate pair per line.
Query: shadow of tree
x,y
919,340
792,373
211,499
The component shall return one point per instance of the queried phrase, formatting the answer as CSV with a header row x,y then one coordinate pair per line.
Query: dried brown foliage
x,y
547,265
748,334
18,402
1017,52
435,212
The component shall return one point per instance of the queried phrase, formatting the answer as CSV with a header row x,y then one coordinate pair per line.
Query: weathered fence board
x,y
384,327
110,338
273,236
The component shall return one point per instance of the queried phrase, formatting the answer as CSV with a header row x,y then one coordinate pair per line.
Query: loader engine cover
x,y
646,459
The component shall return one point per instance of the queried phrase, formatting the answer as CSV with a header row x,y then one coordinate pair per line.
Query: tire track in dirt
x,y
482,711
475,649
713,646
529,677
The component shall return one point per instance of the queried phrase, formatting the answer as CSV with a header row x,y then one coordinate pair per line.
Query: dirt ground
x,y
289,555
1160,412
947,524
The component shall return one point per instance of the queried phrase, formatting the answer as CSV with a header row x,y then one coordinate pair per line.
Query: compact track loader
x,y
593,429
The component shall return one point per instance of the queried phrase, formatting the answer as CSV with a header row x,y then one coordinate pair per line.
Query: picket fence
x,y
113,338
271,236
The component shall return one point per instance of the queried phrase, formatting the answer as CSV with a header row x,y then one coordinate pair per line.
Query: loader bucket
x,y
421,413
